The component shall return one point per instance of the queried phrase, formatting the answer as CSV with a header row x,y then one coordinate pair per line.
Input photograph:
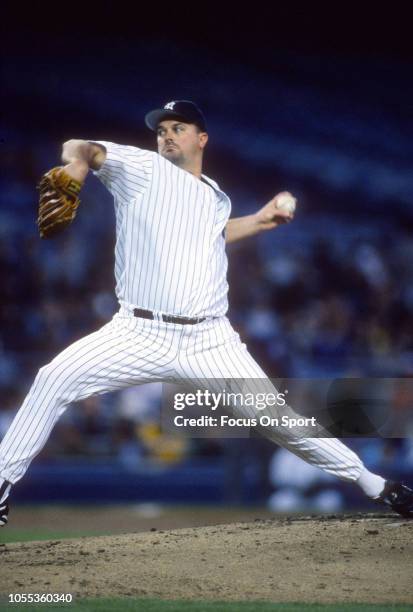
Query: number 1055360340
x,y
21,598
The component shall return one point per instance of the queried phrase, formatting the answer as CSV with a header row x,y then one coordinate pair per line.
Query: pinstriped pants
x,y
131,351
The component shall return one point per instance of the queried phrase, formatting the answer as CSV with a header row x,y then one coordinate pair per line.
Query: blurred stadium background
x,y
331,295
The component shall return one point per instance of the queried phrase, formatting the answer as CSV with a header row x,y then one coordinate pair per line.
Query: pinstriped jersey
x,y
170,248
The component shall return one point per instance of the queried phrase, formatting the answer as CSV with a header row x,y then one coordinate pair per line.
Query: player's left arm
x,y
271,215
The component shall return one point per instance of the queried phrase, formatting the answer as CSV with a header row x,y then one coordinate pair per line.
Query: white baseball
x,y
286,203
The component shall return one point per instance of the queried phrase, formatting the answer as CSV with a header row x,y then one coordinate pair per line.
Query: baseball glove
x,y
58,201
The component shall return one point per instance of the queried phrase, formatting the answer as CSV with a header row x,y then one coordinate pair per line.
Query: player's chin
x,y
173,155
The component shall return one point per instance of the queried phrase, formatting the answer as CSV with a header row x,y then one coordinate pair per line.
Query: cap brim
x,y
153,118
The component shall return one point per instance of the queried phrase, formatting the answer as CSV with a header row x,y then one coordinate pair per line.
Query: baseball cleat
x,y
4,506
398,497
4,514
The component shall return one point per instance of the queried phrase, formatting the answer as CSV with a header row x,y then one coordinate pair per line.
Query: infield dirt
x,y
350,558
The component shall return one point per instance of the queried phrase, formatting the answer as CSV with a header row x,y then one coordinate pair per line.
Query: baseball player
x,y
172,225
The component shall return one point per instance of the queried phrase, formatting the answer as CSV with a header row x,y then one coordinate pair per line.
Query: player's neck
x,y
193,166
195,170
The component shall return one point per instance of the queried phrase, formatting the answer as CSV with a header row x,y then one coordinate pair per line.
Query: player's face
x,y
179,142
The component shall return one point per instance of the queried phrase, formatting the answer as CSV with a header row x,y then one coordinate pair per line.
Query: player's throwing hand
x,y
279,210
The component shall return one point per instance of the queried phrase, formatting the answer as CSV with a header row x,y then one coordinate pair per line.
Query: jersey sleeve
x,y
126,171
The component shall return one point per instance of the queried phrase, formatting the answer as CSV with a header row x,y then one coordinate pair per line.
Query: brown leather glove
x,y
58,201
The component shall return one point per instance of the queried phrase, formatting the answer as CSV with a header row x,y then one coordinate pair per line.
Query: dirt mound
x,y
362,558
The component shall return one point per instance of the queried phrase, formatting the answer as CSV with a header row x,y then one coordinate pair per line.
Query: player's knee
x,y
54,380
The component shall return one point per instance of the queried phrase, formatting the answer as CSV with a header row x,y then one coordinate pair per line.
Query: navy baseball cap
x,y
184,110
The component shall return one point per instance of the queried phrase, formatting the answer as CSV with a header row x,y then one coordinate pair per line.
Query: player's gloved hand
x,y
58,201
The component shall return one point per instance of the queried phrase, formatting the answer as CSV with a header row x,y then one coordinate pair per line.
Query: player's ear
x,y
203,139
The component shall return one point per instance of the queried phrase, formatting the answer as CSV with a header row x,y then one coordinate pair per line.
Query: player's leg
x,y
215,351
218,352
125,352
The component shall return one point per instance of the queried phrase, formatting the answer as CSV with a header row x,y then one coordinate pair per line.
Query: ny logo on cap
x,y
170,105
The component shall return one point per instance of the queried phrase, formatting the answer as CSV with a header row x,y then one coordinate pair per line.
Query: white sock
x,y
370,483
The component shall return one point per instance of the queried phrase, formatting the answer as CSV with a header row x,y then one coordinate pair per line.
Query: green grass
x,y
153,605
27,535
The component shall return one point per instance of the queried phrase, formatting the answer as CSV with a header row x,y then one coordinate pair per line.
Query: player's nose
x,y
167,133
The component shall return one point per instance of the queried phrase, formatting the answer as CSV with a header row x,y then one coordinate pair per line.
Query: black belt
x,y
148,314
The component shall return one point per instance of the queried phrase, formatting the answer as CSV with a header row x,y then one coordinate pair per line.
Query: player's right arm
x,y
80,156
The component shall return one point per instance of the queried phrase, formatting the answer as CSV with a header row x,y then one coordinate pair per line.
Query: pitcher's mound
x,y
350,558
